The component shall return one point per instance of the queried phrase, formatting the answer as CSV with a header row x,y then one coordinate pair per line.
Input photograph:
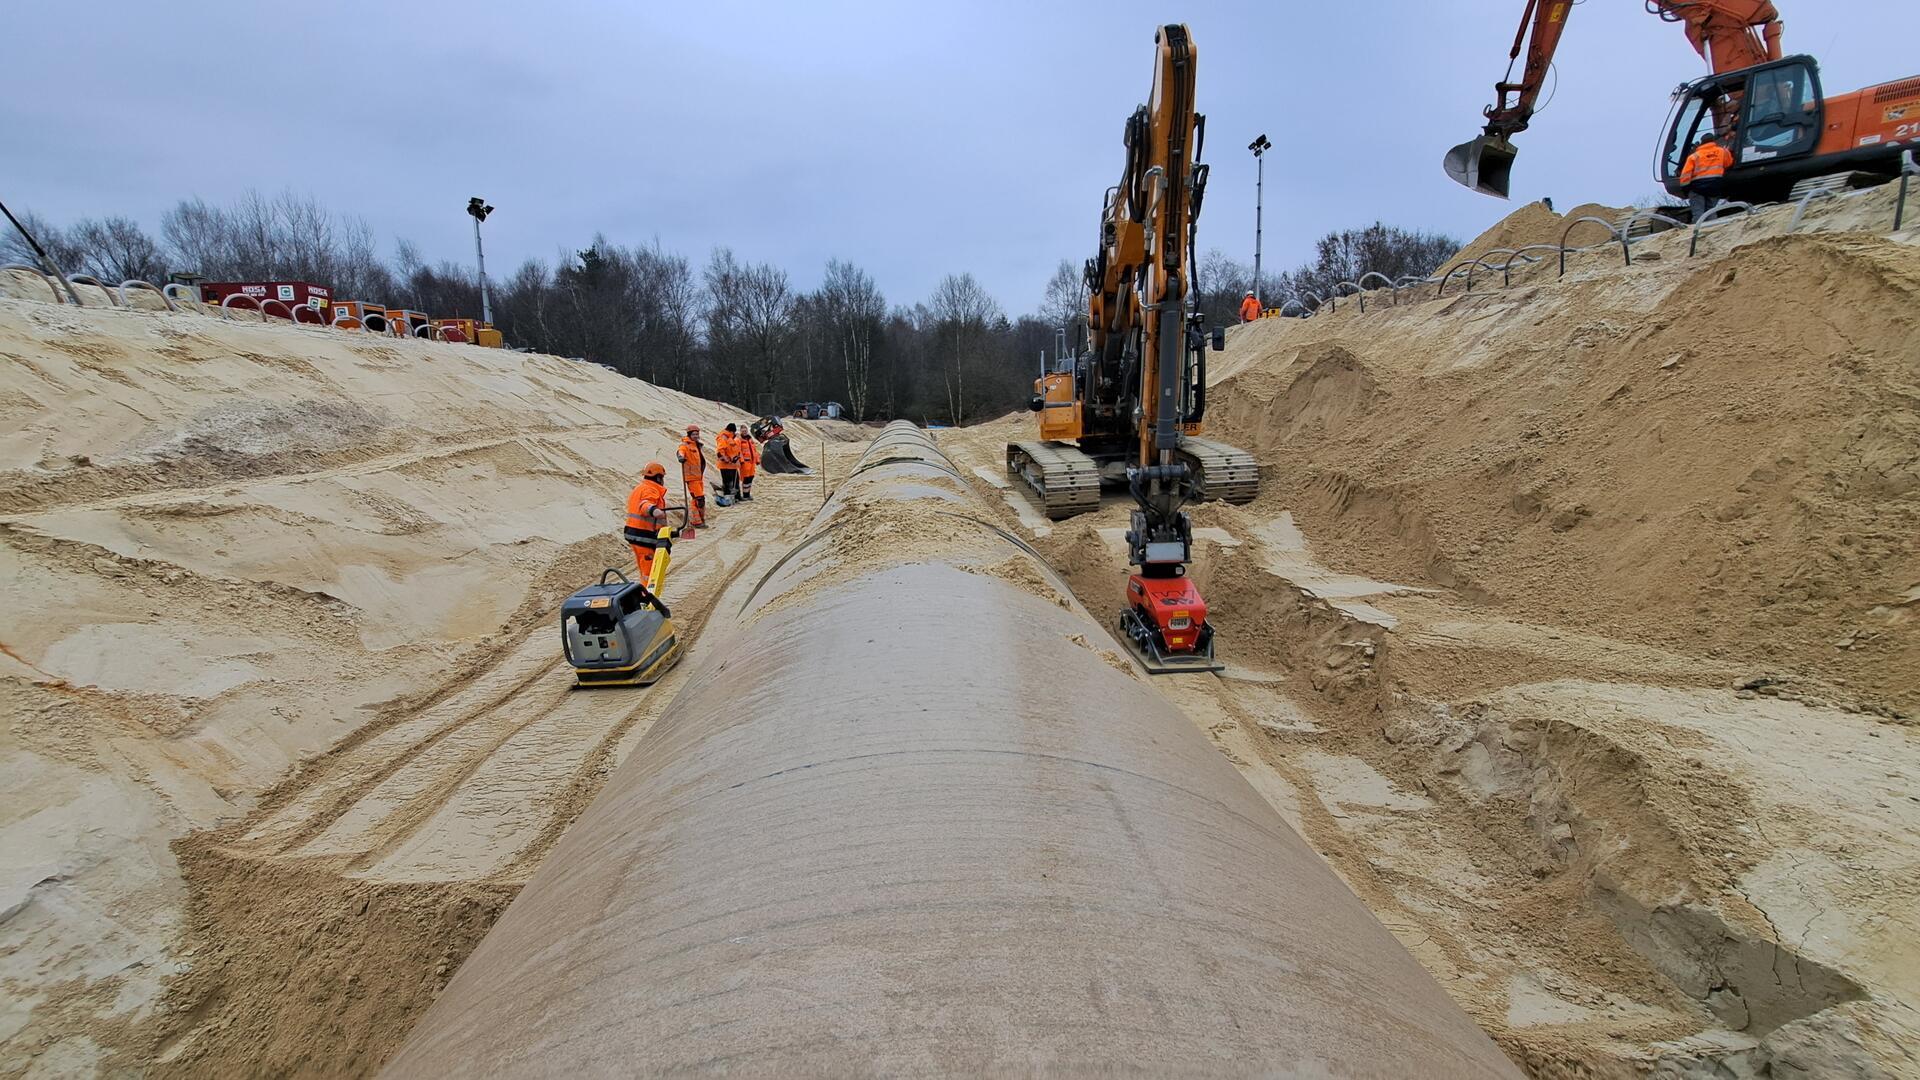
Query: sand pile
x,y
227,548
1535,224
1713,456
1574,627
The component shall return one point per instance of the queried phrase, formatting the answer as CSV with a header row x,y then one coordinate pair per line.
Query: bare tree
x,y
1065,304
15,249
963,313
116,249
853,309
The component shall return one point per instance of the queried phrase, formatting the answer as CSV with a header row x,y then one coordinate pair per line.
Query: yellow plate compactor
x,y
618,633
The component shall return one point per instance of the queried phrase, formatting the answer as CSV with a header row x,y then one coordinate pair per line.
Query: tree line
x,y
731,328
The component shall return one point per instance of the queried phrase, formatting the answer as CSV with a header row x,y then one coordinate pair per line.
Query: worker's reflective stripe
x,y
646,539
637,521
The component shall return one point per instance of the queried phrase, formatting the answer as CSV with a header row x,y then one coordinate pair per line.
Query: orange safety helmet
x,y
693,429
653,471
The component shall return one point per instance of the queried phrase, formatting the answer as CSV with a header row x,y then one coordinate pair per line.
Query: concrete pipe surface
x,y
917,815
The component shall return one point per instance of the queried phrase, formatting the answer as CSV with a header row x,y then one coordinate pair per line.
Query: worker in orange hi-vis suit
x,y
749,463
693,476
646,509
726,450
1249,308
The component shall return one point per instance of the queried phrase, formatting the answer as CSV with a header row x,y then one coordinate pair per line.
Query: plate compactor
x,y
618,632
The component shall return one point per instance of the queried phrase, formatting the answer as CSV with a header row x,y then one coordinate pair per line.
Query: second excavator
x,y
1768,109
1138,392
1134,399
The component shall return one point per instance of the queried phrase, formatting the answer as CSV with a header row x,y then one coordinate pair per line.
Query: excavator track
x,y
1067,481
1226,473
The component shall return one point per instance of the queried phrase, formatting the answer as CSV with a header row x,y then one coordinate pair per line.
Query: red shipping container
x,y
291,293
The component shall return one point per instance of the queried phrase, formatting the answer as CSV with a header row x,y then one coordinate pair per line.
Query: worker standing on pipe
x,y
726,449
1704,174
1249,308
749,462
646,509
693,475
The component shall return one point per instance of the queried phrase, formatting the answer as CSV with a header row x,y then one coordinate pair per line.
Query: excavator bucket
x,y
1484,164
776,456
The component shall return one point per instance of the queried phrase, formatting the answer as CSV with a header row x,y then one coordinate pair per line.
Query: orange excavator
x,y
1138,392
1133,400
1768,109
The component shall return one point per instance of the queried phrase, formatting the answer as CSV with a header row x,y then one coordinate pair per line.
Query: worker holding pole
x,y
646,509
693,478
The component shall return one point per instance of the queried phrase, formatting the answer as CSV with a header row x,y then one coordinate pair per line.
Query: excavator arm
x,y
1142,325
1728,35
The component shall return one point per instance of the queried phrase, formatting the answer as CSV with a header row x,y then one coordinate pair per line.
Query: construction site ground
x,y
1574,627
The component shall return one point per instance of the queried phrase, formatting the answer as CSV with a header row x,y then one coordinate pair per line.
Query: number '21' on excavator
x,y
1768,109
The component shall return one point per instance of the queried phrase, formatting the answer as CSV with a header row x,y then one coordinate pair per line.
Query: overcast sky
x,y
915,139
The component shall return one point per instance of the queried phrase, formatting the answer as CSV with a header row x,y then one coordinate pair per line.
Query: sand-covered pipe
x,y
917,816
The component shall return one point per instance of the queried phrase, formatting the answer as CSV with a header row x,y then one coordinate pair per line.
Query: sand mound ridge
x,y
230,548
1714,455
1535,224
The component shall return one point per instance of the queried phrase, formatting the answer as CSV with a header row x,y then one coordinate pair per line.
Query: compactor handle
x,y
615,573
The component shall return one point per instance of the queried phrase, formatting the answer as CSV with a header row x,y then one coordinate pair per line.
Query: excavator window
x,y
1711,107
1782,114
1682,135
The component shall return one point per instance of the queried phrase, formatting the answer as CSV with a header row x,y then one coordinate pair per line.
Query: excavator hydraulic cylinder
x,y
913,813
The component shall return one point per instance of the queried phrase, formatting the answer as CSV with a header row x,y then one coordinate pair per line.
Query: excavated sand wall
x,y
914,818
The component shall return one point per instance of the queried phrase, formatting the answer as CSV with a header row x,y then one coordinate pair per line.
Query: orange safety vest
x,y
693,460
647,497
749,456
1249,309
726,448
1706,163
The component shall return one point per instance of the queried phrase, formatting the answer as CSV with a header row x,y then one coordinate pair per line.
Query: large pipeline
x,y
914,816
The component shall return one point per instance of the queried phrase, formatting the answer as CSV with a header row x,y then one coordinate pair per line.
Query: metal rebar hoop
x,y
89,279
1357,291
44,276
1386,283
1725,209
1613,234
142,283
1908,169
1506,268
1481,263
228,302
1800,208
